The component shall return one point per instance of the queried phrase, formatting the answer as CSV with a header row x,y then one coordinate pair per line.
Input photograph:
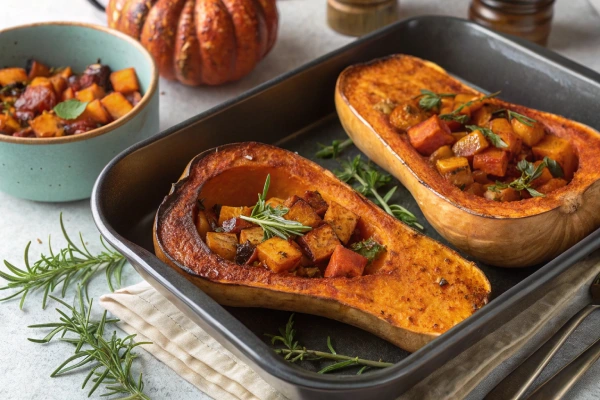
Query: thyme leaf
x,y
461,118
529,173
429,100
490,135
368,248
333,150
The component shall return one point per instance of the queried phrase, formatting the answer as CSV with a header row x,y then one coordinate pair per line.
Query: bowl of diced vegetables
x,y
72,96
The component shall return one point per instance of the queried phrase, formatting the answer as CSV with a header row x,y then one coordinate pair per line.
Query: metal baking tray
x,y
295,111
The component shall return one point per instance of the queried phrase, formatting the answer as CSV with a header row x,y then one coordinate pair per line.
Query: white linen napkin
x,y
202,361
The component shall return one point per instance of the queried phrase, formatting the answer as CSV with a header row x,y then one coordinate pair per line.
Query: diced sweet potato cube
x,y
12,75
42,81
430,135
474,143
463,98
125,81
440,154
253,235
406,115
480,176
8,125
302,212
64,72
58,83
493,161
95,111
274,202
38,69
482,116
202,225
235,225
447,104
475,188
560,150
47,125
279,254
233,212
543,178
552,185
67,94
222,244
319,243
503,128
345,262
456,170
508,194
116,104
530,135
342,220
91,93
459,135
315,200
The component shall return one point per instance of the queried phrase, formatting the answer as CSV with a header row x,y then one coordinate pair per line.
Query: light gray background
x,y
304,35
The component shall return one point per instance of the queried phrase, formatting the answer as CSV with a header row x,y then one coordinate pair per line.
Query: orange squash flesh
x,y
399,298
518,234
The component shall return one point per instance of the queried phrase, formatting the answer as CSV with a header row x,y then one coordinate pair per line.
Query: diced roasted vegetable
x,y
345,263
42,81
68,94
503,128
551,185
406,115
319,243
342,220
202,225
9,76
246,254
235,225
429,135
47,125
493,161
90,93
462,98
456,170
274,202
301,211
508,194
233,212
95,110
58,83
222,244
474,143
8,125
125,81
116,105
134,98
480,177
482,116
36,69
440,154
530,135
36,99
279,254
543,178
96,73
560,150
315,200
459,135
78,126
253,235
475,188
64,72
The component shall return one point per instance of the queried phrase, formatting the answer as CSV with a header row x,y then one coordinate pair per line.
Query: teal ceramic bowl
x,y
65,168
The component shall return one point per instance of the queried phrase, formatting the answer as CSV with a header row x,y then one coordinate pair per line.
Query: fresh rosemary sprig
x,y
461,118
293,352
69,265
333,150
519,117
529,173
110,360
271,219
429,100
369,180
490,135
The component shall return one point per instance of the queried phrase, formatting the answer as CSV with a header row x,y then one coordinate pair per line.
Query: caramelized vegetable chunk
x,y
125,81
9,76
233,212
480,177
345,262
64,72
8,125
319,243
406,115
95,73
503,128
36,99
482,116
274,202
41,81
342,220
202,225
315,200
222,244
47,125
474,143
440,154
90,93
253,235
430,135
279,254
493,161
543,178
96,111
246,254
36,69
508,194
552,185
560,150
58,83
530,135
475,188
235,225
456,170
67,94
134,98
301,211
116,104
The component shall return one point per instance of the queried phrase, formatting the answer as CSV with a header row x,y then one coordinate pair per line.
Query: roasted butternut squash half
x,y
510,185
409,294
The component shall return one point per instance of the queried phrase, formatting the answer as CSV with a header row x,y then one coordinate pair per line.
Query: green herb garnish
x,y
368,248
460,118
489,135
334,150
110,359
554,167
529,173
271,219
70,109
429,100
293,351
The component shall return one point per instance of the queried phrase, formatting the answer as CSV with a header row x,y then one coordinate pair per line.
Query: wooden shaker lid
x,y
358,17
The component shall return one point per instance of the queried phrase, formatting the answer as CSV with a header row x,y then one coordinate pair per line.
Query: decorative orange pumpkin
x,y
199,42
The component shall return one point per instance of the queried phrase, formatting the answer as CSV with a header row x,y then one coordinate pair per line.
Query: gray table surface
x,y
24,366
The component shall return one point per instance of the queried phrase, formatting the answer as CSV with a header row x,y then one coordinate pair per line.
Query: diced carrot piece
x,y
493,161
38,69
543,178
508,194
440,154
91,93
12,75
456,170
59,83
67,94
560,150
95,110
474,143
503,128
116,104
47,125
125,81
345,262
42,81
429,135
279,254
552,185
530,135
8,125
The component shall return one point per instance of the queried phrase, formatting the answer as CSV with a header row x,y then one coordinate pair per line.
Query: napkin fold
x,y
203,362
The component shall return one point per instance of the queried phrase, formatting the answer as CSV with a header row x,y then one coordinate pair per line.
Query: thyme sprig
x,y
110,360
67,266
489,135
271,219
369,180
429,100
333,150
461,118
293,351
529,173
519,117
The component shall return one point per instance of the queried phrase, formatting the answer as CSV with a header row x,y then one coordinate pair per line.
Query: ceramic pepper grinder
x,y
358,17
530,19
